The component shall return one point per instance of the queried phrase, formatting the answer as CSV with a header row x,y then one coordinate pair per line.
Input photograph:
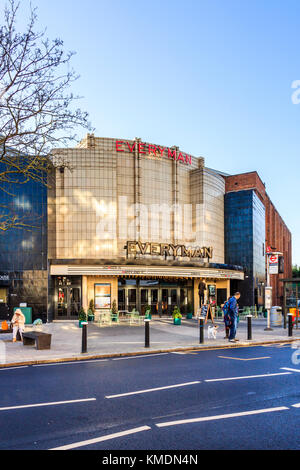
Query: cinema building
x,y
138,223
143,225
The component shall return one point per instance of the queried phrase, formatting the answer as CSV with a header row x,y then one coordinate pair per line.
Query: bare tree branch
x,y
37,111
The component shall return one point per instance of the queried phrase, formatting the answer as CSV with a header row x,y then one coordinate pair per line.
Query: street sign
x,y
273,264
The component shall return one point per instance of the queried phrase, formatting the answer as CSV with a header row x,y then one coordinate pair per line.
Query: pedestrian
x,y
201,289
227,319
233,311
18,322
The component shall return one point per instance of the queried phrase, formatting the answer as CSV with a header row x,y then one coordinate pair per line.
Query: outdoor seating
x,y
115,317
219,312
40,339
245,311
136,318
260,311
104,319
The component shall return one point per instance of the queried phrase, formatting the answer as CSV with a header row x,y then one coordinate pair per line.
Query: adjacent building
x,y
23,252
265,219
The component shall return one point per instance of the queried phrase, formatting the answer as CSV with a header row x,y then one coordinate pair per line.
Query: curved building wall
x,y
117,190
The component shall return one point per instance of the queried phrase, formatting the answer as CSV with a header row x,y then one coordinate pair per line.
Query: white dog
x,y
212,332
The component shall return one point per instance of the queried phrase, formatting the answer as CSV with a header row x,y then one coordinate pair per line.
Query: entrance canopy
x,y
151,271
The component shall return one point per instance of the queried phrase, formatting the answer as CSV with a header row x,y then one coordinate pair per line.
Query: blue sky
x,y
213,77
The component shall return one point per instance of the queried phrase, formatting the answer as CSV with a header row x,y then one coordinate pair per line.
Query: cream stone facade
x,y
113,191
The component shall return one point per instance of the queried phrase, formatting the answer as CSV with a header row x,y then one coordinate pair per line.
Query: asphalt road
x,y
241,398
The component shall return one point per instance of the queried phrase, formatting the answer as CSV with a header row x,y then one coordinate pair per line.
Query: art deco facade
x,y
135,222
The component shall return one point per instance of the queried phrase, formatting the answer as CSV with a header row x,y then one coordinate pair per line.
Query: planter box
x,y
177,321
189,316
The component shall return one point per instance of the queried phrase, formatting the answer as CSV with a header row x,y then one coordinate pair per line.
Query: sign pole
x,y
268,297
273,258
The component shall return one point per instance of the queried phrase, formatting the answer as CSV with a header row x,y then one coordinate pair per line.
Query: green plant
x,y
147,309
82,315
91,307
176,313
114,308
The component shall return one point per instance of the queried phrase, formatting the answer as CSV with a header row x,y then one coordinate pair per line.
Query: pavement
x,y
124,339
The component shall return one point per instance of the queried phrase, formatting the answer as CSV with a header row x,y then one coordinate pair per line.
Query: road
x,y
240,398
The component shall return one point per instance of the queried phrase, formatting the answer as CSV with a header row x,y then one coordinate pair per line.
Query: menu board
x,y
102,296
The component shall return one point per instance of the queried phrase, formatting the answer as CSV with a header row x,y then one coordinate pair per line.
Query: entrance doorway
x,y
160,295
68,295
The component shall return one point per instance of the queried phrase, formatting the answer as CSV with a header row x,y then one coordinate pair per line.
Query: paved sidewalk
x,y
123,339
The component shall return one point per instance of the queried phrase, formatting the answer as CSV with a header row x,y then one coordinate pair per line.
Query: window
x,y
102,295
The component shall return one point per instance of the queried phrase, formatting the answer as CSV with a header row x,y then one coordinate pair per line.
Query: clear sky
x,y
213,77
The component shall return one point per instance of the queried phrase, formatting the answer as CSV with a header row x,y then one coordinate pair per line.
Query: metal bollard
x,y
147,333
249,327
84,337
201,330
290,320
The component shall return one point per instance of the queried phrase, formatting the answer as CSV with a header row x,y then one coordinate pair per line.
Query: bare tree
x,y
37,111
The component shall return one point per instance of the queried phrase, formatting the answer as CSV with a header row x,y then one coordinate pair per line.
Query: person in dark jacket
x,y
233,311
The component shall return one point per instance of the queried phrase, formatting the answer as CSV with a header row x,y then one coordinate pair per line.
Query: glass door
x,y
132,300
183,300
68,297
121,299
144,300
173,299
62,302
74,304
164,301
154,301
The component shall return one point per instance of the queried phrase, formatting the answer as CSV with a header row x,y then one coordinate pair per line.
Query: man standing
x,y
233,311
201,289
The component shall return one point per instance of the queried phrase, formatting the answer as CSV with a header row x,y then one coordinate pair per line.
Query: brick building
x,y
277,234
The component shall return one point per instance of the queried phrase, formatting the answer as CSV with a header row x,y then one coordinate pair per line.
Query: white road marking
x,y
211,418
153,389
72,362
33,405
184,353
241,359
10,368
102,438
247,377
138,357
288,368
297,405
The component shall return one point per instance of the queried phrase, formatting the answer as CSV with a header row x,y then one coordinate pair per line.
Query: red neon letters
x,y
153,149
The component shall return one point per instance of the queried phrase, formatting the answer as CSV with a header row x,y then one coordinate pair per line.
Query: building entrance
x,y
160,295
68,295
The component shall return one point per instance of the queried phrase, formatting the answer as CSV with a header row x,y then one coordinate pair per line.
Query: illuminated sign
x,y
167,249
153,150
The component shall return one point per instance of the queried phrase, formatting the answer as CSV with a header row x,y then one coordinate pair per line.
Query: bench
x,y
42,340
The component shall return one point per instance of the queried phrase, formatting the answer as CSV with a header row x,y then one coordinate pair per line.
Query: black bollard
x,y
201,330
249,327
147,333
290,317
84,337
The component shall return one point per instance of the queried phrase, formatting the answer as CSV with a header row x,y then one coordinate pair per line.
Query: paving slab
x,y
124,339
